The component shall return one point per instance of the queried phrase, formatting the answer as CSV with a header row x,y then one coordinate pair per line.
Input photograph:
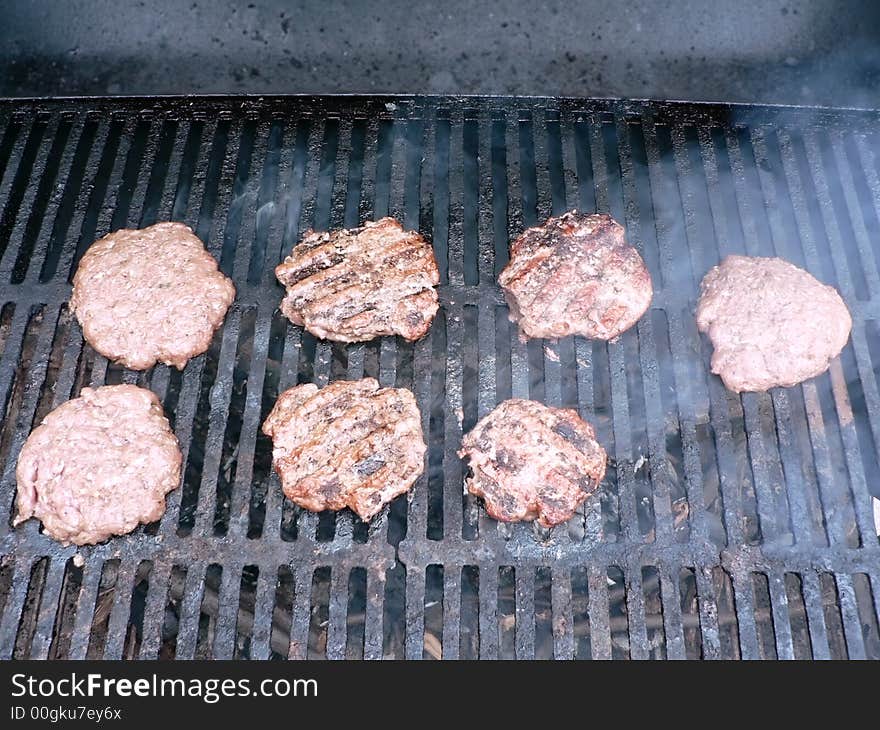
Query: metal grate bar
x,y
130,216
860,496
415,613
373,625
744,591
300,624
661,191
661,504
11,129
488,606
12,610
250,420
708,614
829,495
119,613
262,639
727,222
163,201
852,625
73,140
154,611
781,621
336,629
452,499
85,609
695,232
417,515
518,356
31,211
846,277
340,207
563,620
52,586
525,613
190,609
219,412
228,605
34,377
815,615
93,152
635,603
18,170
672,620
861,501
451,612
600,629
854,219
301,183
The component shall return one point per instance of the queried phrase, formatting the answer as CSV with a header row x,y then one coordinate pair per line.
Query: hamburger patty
x,y
150,295
575,275
354,285
529,461
771,323
98,465
349,444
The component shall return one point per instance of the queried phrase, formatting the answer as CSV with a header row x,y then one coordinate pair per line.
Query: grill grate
x,y
727,526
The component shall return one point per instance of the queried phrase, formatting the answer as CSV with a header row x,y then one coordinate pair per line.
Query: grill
x,y
727,526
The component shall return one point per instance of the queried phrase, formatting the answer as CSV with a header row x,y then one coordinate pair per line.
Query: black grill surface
x,y
727,526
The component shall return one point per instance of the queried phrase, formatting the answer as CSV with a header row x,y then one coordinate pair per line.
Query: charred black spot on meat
x,y
329,487
565,429
312,269
587,483
508,459
506,502
369,466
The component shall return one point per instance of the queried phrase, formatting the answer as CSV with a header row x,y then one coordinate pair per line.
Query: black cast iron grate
x,y
727,527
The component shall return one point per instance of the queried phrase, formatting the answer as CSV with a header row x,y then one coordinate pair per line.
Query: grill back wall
x,y
727,526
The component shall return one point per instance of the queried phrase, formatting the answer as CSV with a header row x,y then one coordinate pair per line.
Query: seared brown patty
x,y
98,465
529,461
150,295
575,275
349,444
771,323
354,285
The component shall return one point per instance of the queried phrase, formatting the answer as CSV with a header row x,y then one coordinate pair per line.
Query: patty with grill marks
x,y
575,275
771,323
532,462
348,444
357,284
